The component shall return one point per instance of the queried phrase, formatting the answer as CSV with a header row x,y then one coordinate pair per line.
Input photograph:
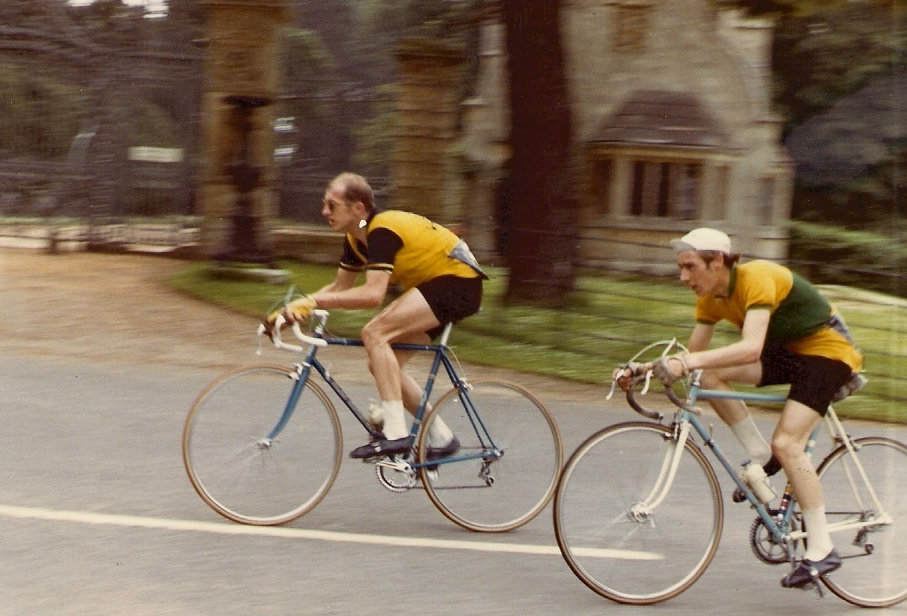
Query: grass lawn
x,y
606,320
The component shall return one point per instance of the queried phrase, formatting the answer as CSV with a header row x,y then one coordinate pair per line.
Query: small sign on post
x,y
151,154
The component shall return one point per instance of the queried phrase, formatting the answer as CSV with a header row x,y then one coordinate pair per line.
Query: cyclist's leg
x,y
405,319
417,316
814,381
734,412
438,431
788,444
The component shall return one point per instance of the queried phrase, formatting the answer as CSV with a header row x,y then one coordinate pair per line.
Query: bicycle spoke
x,y
507,486
618,546
245,476
871,543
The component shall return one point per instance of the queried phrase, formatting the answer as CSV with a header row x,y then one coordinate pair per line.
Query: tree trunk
x,y
541,212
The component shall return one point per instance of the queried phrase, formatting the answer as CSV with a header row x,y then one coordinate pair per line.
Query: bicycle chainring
x,y
765,547
396,474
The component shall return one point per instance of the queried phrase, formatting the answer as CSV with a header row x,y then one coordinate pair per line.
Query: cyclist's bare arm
x,y
745,351
701,337
343,294
344,279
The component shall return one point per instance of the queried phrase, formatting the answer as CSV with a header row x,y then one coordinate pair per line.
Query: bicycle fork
x,y
641,512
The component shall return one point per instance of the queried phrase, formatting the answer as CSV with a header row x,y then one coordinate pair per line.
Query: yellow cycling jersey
x,y
800,315
411,248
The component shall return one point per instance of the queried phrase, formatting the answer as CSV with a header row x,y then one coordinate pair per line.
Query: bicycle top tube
x,y
697,393
317,338
398,346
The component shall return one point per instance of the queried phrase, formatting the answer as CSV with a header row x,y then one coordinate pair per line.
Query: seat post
x,y
445,334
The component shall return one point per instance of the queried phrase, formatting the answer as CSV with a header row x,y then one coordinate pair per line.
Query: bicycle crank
x,y
396,474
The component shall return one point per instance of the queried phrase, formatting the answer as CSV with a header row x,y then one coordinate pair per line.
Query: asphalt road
x,y
99,518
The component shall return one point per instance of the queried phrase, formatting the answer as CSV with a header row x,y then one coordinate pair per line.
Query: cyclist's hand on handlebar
x,y
295,312
670,369
300,309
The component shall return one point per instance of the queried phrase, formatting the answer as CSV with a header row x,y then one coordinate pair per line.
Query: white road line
x,y
225,528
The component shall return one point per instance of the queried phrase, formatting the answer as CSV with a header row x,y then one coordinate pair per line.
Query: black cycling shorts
x,y
814,380
451,299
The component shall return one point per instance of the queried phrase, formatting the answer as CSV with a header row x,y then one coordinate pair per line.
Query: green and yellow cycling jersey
x,y
411,248
800,315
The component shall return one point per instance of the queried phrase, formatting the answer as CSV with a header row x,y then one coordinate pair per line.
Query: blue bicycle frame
x,y
440,350
779,521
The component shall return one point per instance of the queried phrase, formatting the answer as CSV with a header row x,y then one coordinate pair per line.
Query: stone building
x,y
673,125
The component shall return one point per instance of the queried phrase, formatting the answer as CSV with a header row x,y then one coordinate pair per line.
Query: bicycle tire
x,y
625,554
875,577
488,492
239,473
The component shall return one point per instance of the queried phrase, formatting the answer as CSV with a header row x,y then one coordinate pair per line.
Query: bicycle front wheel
x,y
626,530
509,460
873,572
241,466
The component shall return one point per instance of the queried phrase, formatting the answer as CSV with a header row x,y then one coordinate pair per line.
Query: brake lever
x,y
648,380
631,367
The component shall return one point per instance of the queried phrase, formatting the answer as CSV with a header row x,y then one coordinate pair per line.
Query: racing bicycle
x,y
263,445
638,512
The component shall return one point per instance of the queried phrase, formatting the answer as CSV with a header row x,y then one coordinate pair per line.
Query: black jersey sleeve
x,y
353,258
383,245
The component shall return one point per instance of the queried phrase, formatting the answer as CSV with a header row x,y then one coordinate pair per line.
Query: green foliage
x,y
861,259
39,112
305,58
309,76
606,322
376,135
150,125
831,50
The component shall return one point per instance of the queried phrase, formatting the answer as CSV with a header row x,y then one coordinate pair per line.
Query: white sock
x,y
438,432
749,436
394,420
817,538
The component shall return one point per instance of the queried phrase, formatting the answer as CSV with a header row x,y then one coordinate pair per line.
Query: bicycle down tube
x,y
837,434
311,361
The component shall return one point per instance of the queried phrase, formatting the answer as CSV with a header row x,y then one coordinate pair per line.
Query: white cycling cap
x,y
703,238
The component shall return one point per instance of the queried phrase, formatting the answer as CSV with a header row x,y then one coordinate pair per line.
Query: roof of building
x,y
659,117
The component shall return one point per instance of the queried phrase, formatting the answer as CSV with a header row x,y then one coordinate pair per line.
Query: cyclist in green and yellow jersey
x,y
789,334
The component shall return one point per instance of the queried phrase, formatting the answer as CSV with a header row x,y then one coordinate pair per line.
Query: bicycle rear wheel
x,y
620,547
509,460
873,572
238,470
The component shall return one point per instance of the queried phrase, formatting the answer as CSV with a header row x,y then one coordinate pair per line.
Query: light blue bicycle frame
x,y
779,523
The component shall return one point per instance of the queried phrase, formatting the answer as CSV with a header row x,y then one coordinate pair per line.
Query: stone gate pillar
x,y
236,195
426,177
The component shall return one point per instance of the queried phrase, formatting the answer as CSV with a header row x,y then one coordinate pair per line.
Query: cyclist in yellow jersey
x,y
789,334
441,281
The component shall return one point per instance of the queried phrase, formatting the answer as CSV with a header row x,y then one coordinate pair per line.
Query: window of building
x,y
765,207
601,184
665,189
